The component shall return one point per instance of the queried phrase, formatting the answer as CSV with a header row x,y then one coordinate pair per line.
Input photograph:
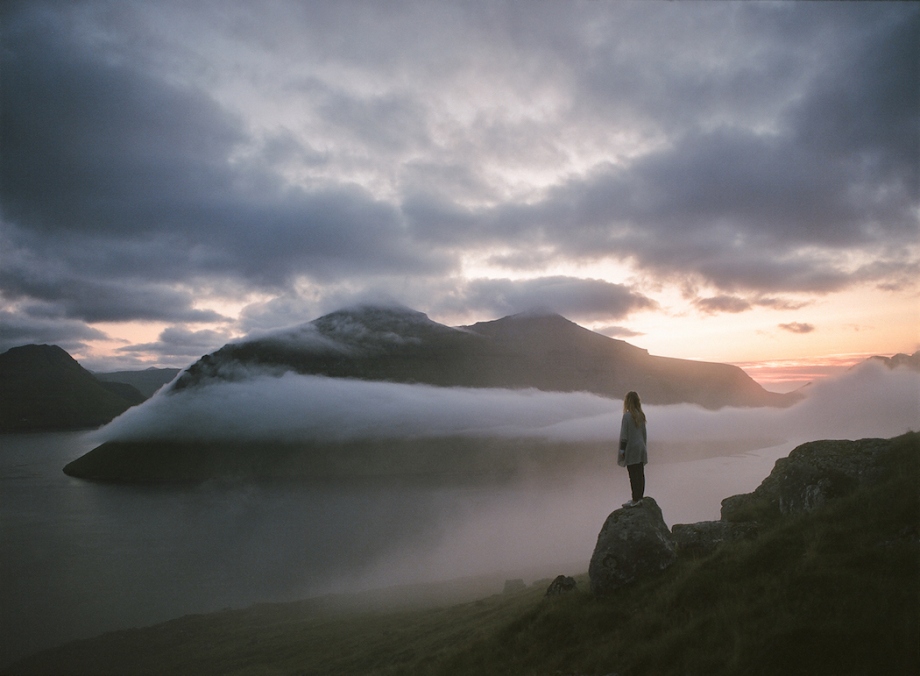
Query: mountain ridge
x,y
531,350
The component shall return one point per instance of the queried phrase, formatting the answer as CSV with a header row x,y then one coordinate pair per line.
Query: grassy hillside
x,y
835,591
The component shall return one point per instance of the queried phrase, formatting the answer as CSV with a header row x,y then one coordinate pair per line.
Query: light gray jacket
x,y
636,439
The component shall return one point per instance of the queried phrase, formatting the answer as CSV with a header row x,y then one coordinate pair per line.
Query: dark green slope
x,y
44,388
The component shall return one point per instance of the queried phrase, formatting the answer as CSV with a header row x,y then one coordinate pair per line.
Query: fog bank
x,y
870,400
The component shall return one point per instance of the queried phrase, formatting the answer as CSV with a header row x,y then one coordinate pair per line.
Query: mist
x,y
537,531
531,526
869,400
697,456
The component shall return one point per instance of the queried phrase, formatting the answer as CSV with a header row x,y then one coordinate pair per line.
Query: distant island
x,y
43,388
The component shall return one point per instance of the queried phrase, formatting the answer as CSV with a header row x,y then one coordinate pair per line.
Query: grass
x,y
836,591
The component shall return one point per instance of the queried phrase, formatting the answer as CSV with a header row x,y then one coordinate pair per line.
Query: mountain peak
x,y
376,313
370,323
537,314
541,325
37,357
530,317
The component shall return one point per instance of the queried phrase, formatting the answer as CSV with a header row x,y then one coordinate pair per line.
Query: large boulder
x,y
633,541
812,474
561,585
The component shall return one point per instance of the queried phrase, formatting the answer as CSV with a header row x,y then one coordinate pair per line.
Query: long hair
x,y
633,406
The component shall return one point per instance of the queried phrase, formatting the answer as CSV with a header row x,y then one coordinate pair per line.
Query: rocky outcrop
x,y
561,585
812,474
632,541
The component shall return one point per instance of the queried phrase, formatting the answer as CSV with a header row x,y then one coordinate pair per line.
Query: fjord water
x,y
78,558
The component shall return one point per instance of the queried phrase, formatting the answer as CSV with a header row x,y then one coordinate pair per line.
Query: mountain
x,y
44,388
543,351
147,382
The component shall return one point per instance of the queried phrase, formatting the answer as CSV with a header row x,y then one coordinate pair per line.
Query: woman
x,y
633,450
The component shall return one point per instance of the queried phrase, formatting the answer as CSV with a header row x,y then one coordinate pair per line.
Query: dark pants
x,y
637,480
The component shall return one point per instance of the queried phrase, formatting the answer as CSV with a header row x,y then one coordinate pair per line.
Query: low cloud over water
x,y
871,400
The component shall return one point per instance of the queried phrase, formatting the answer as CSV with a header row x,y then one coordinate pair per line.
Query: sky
x,y
732,182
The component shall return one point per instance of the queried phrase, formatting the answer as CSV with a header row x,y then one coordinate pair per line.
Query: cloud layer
x,y
158,155
871,400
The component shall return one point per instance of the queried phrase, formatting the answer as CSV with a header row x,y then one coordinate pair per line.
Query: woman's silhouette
x,y
633,446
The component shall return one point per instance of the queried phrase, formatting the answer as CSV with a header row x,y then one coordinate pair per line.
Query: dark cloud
x,y
71,297
155,152
178,341
20,329
781,303
568,296
94,146
862,111
283,147
108,170
737,304
797,327
738,210
718,304
389,122
773,209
